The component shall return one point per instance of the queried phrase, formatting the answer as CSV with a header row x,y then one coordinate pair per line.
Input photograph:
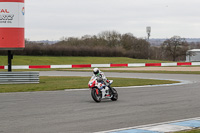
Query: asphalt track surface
x,y
76,112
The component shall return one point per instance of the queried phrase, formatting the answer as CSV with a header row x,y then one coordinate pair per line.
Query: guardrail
x,y
19,77
104,65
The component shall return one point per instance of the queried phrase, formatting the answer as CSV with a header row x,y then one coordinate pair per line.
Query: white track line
x,y
149,125
182,82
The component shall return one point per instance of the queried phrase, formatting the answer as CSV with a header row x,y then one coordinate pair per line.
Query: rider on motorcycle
x,y
101,78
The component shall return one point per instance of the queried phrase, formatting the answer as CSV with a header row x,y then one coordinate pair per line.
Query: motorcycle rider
x,y
101,77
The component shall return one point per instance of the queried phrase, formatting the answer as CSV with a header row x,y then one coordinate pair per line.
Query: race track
x,y
76,112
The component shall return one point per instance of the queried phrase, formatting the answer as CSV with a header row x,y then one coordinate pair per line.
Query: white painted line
x,y
86,89
131,86
166,128
182,82
148,125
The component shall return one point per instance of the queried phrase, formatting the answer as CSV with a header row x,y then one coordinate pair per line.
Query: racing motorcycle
x,y
99,90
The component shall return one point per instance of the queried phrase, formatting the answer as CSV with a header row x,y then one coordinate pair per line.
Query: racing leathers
x,y
102,78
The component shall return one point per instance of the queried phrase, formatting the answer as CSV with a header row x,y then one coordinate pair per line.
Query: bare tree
x,y
175,47
194,45
112,38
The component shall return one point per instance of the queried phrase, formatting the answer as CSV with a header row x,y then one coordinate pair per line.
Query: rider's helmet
x,y
96,71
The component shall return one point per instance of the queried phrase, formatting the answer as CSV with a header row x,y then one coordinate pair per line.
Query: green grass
x,y
56,60
62,83
192,131
61,60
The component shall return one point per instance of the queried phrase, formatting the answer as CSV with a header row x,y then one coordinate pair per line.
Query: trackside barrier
x,y
196,63
104,65
19,77
153,64
136,65
168,64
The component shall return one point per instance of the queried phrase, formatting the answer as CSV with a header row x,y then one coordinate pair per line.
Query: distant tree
x,y
194,45
135,47
175,47
112,38
106,44
127,41
155,53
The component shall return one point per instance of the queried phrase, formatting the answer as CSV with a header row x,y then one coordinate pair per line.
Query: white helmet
x,y
96,71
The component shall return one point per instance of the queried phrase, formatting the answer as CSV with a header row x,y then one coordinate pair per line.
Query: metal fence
x,y
19,77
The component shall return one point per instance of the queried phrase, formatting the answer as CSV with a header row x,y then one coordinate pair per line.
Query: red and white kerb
x,y
12,24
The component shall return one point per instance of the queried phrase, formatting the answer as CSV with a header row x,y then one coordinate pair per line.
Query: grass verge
x,y
192,131
62,83
64,60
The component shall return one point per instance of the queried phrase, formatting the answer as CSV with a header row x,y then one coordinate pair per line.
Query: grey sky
x,y
53,19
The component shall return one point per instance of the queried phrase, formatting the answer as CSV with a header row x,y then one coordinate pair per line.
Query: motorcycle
x,y
99,90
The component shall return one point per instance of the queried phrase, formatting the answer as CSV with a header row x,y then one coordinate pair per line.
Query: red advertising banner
x,y
12,24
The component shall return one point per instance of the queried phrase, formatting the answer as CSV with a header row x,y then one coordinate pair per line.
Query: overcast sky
x,y
53,19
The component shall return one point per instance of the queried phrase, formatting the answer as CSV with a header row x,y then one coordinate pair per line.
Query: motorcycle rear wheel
x,y
97,97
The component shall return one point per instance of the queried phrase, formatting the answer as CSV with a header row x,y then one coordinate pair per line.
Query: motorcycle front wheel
x,y
115,96
96,95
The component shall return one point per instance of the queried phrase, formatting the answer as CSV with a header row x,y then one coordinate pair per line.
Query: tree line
x,y
110,44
